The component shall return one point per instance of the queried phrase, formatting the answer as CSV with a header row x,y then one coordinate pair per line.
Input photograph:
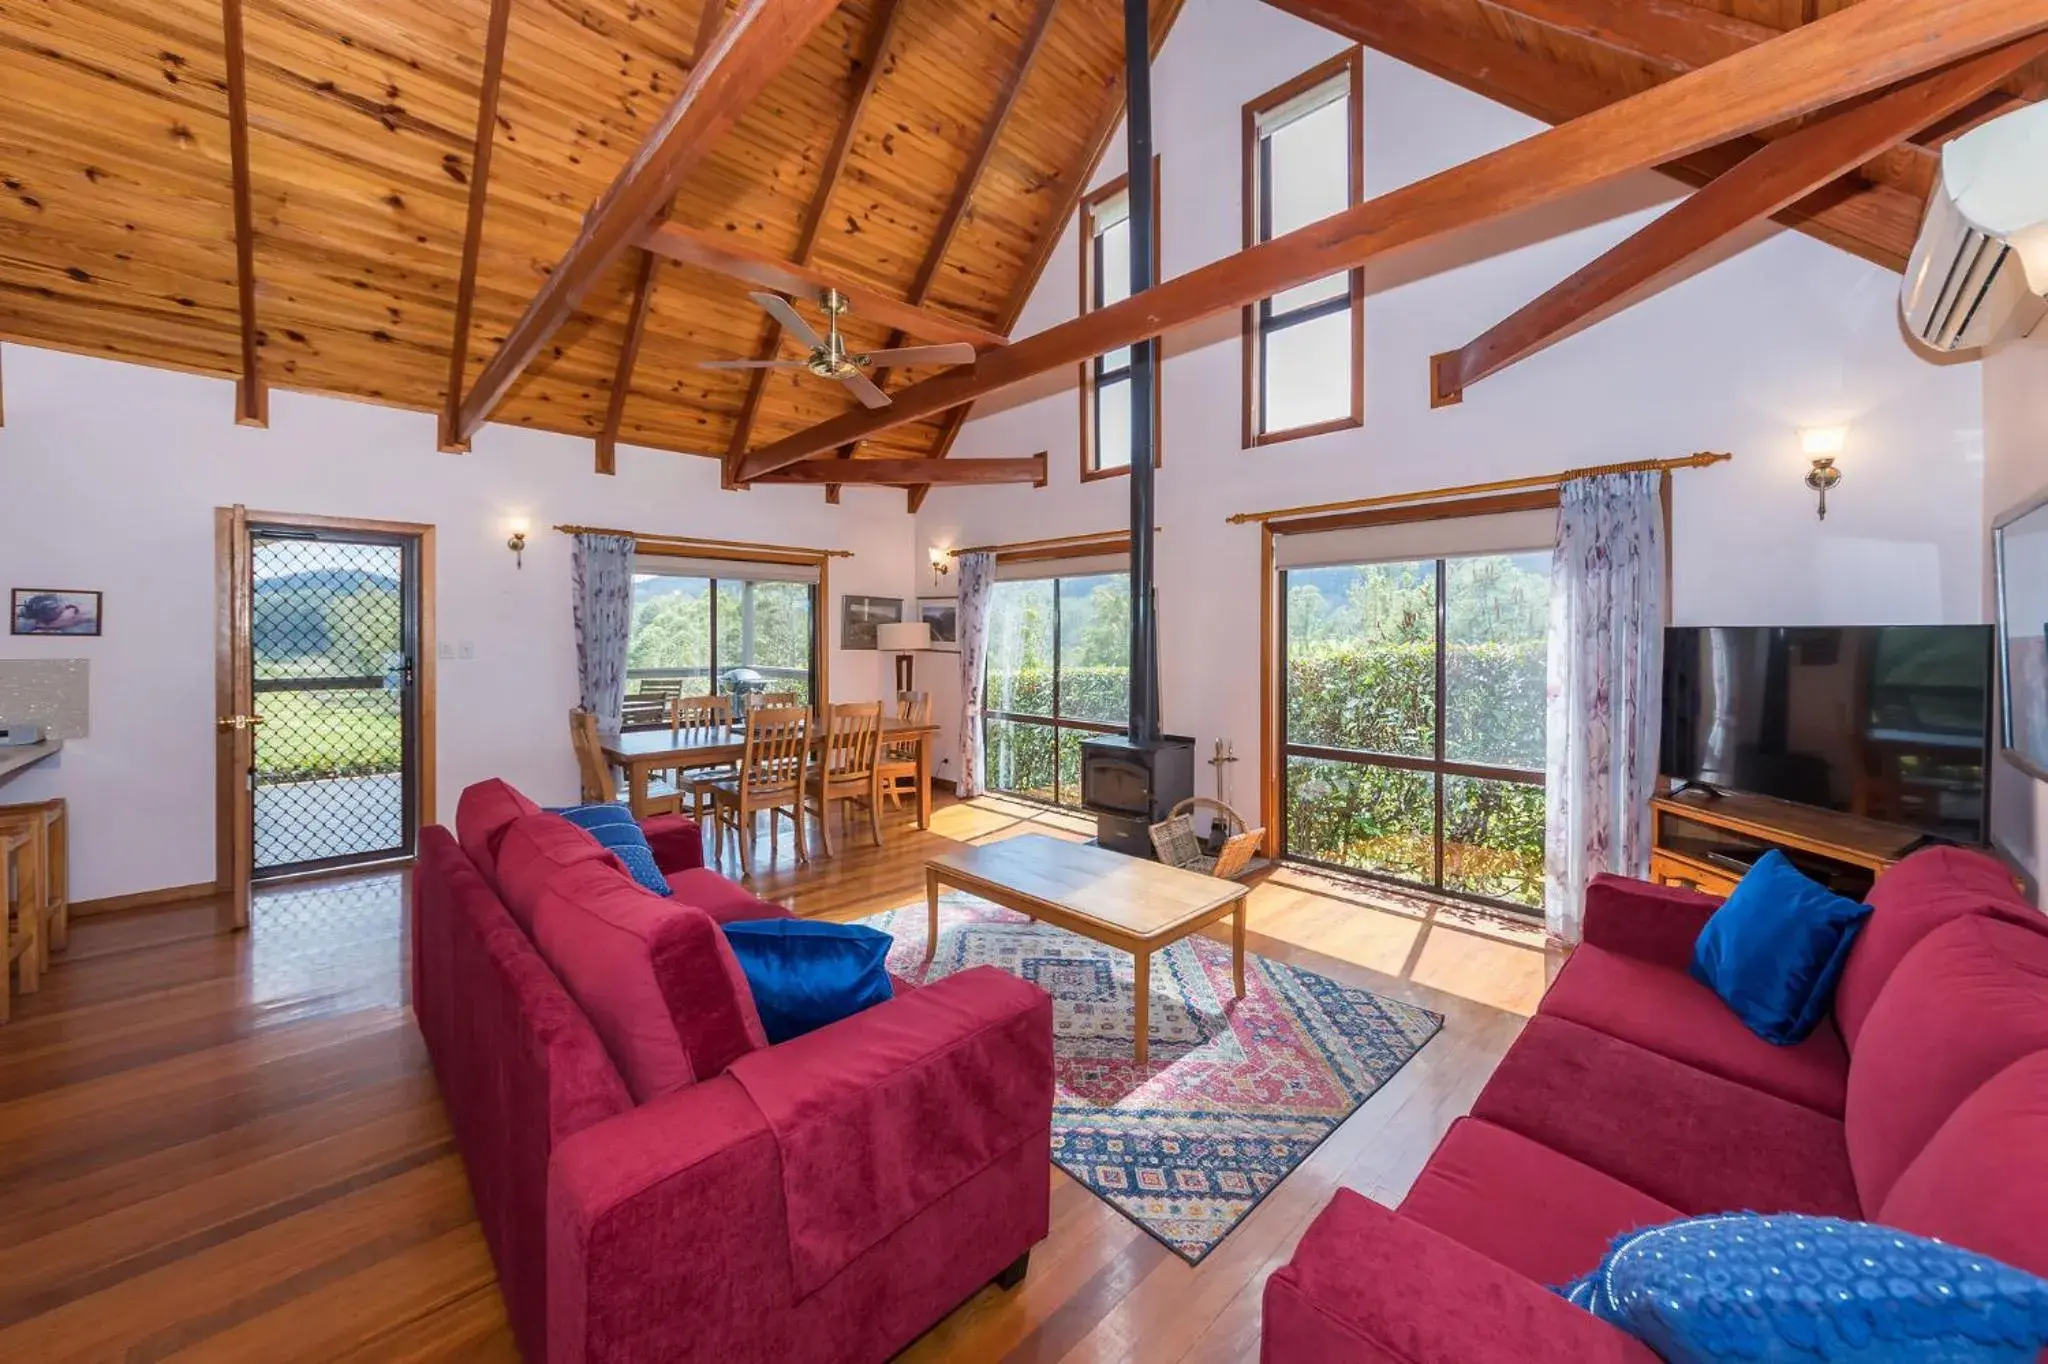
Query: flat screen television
x,y
1892,722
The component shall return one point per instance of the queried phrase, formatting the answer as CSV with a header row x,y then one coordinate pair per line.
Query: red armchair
x,y
827,1199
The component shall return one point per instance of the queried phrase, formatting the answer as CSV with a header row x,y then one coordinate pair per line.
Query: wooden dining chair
x,y
600,782
897,768
777,700
847,768
699,719
773,766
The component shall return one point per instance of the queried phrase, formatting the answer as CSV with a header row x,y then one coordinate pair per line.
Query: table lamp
x,y
904,638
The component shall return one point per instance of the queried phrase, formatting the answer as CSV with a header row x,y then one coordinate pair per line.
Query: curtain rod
x,y
706,543
1105,537
1644,466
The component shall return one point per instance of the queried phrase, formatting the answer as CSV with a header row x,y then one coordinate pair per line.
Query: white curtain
x,y
977,585
1605,685
602,601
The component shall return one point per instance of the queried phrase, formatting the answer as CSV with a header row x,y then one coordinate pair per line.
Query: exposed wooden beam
x,y
963,193
1072,187
881,28
622,373
709,21
1674,37
1781,173
495,31
1849,53
1876,222
942,447
915,470
717,252
252,398
762,38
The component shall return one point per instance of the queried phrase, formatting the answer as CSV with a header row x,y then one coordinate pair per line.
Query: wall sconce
x,y
942,564
1822,445
516,541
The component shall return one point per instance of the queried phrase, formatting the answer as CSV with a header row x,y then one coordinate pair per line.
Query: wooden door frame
x,y
424,669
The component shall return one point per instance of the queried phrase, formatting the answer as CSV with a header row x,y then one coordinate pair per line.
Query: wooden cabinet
x,y
1705,841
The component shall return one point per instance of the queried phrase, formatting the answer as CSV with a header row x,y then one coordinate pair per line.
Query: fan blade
x,y
954,353
793,323
752,364
865,390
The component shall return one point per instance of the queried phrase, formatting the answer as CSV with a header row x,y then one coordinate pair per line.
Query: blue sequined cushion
x,y
1787,1288
615,827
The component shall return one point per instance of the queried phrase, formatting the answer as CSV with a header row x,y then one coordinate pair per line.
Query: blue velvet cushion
x,y
1775,948
806,973
615,827
1785,1288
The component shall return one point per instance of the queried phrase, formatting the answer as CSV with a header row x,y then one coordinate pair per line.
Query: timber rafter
x,y
1847,54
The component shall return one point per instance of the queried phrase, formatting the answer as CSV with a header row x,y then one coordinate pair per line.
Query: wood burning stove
x,y
1133,784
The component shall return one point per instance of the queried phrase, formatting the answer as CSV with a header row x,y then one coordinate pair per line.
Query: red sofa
x,y
656,1183
1635,1097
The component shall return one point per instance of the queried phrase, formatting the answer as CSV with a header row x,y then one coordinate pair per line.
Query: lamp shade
x,y
904,636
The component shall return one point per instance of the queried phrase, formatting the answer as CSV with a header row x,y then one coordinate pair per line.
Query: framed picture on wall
x,y
2019,544
54,611
943,615
860,617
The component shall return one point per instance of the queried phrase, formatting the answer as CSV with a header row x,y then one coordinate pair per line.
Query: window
x,y
1059,670
1106,382
1413,696
1304,365
696,625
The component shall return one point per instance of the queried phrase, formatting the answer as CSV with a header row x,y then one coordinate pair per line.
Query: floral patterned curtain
x,y
977,585
602,601
1605,687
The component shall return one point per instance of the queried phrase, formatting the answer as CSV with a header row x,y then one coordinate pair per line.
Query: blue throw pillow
x,y
806,973
1788,1288
1774,950
615,827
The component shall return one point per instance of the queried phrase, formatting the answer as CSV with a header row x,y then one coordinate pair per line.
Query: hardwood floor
x,y
229,1146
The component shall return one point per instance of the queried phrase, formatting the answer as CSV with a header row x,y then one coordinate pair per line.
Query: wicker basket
x,y
1177,844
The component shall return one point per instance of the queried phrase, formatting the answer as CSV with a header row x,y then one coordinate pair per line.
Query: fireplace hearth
x,y
1132,784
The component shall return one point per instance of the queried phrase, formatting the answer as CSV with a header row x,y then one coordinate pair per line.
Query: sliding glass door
x,y
1059,670
1414,703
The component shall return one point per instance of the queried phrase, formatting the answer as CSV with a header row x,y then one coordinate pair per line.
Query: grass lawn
x,y
327,734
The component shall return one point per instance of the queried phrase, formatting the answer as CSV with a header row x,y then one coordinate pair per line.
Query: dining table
x,y
642,752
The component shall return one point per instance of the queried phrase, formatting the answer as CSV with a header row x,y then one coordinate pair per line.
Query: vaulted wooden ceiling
x,y
926,150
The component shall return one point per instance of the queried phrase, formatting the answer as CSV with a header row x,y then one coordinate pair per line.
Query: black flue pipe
x,y
1144,374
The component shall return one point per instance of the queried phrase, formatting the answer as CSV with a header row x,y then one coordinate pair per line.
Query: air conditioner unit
x,y
1979,272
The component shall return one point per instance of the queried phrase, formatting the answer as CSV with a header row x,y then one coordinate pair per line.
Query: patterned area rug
x,y
1237,1092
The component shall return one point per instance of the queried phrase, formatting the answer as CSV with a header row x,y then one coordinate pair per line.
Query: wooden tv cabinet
x,y
1700,841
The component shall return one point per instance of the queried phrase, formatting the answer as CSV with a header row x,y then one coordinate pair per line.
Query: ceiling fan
x,y
829,358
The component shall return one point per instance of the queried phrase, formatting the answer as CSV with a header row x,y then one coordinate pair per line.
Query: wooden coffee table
x,y
1132,905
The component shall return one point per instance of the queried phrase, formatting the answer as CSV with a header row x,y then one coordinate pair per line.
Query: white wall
x,y
2015,473
109,474
1787,333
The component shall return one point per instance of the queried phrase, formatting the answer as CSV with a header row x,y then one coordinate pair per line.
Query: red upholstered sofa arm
x,y
1368,1286
1647,921
677,843
682,1230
